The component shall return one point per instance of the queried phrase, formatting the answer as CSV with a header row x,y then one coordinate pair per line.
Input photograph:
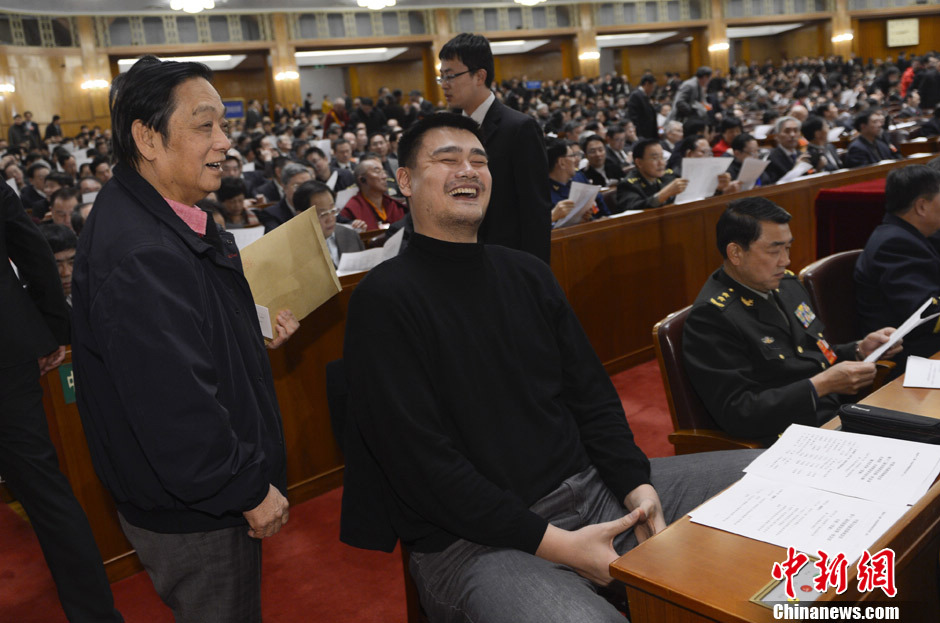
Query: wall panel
x,y
247,84
672,57
404,75
534,66
871,37
48,82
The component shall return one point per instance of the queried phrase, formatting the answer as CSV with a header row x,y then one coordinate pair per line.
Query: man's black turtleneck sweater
x,y
476,392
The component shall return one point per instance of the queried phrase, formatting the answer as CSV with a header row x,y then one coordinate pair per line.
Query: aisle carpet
x,y
308,574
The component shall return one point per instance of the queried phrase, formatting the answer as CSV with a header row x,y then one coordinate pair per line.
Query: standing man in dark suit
x,y
34,327
639,109
870,147
519,213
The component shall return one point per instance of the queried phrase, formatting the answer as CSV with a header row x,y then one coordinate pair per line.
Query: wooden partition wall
x,y
621,276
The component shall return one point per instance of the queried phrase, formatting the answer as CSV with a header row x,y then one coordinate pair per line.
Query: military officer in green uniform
x,y
754,349
651,185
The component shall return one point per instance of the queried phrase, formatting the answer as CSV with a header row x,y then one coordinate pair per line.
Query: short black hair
x,y
411,139
59,237
146,92
906,185
305,193
556,149
62,179
590,139
811,126
65,193
729,123
639,147
741,222
647,79
740,141
99,160
230,188
31,169
314,150
366,101
471,50
703,72
863,117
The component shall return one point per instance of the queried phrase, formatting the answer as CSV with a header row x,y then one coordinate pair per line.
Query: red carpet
x,y
307,571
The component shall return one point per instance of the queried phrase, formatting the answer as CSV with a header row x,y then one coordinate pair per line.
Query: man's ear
x,y
403,177
735,253
146,139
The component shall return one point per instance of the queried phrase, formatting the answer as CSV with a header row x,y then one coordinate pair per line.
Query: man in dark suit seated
x,y
519,215
932,127
599,170
563,170
743,146
271,189
640,110
753,348
335,179
292,176
618,154
822,153
652,185
786,154
900,268
33,200
870,147
339,238
232,167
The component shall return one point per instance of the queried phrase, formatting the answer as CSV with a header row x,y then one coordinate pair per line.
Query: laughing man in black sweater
x,y
504,459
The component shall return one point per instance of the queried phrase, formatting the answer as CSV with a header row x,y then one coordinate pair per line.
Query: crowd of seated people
x,y
784,113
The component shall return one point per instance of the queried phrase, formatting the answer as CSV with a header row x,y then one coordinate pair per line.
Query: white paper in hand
x,y
264,318
582,195
702,174
751,170
909,325
798,169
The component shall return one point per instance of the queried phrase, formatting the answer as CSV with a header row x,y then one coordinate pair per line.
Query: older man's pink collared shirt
x,y
194,217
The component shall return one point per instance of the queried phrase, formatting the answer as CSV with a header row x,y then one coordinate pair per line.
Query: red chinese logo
x,y
877,572
788,568
874,571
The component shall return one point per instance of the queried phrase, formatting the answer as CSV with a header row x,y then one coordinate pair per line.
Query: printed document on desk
x,y
909,325
862,466
809,520
818,489
922,372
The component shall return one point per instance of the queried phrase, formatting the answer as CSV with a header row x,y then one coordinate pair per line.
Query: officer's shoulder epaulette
x,y
724,297
633,180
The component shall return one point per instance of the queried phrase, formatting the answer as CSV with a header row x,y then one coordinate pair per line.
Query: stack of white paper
x,y
818,489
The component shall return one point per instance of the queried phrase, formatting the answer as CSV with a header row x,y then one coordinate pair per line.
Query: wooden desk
x,y
695,573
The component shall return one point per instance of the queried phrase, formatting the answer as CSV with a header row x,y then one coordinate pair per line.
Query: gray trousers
x,y
471,583
204,577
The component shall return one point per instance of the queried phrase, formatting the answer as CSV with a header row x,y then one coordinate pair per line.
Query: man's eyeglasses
x,y
449,77
328,213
